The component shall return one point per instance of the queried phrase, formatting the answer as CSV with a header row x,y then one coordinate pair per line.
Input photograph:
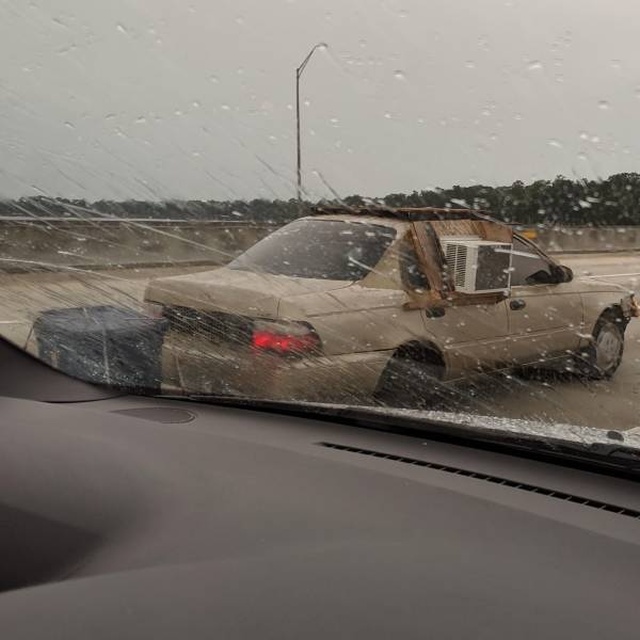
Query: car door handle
x,y
517,304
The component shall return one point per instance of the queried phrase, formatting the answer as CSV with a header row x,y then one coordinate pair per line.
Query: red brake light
x,y
297,339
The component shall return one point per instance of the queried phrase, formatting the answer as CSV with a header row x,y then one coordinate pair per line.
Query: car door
x,y
472,331
545,315
475,337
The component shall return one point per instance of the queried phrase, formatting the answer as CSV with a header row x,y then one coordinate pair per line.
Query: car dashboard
x,y
130,516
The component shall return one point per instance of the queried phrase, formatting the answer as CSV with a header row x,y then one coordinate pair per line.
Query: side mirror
x,y
564,274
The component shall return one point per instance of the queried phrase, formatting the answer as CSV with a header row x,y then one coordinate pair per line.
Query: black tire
x,y
601,359
409,384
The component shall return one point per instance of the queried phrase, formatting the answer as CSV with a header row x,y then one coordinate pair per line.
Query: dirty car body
x,y
349,304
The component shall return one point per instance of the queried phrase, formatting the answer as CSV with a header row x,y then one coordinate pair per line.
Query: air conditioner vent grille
x,y
457,261
485,477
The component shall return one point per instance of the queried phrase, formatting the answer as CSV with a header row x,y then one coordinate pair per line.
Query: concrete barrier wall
x,y
588,239
27,244
51,244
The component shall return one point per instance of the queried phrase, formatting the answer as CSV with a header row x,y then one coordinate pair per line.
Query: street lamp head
x,y
321,46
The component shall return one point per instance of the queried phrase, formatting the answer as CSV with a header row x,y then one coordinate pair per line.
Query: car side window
x,y
528,267
413,277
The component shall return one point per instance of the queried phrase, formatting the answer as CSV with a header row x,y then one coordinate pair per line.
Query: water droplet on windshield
x,y
334,121
195,104
69,125
225,107
388,116
122,29
399,75
604,105
534,65
555,143
141,120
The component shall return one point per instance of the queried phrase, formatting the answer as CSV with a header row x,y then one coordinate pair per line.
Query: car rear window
x,y
323,249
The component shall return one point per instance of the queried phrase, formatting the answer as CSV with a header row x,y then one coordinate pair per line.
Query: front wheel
x,y
601,359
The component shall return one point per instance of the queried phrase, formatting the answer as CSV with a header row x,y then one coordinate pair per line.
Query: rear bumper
x,y
193,366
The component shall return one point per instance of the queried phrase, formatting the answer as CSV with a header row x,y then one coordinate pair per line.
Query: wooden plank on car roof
x,y
485,229
430,256
457,228
496,232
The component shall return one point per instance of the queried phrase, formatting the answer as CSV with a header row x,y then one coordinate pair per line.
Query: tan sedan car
x,y
350,306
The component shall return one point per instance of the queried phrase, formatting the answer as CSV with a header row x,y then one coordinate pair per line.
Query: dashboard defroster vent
x,y
485,477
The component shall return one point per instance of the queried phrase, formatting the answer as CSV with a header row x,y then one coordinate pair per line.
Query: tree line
x,y
614,201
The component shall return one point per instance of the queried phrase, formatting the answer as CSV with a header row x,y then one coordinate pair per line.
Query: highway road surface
x,y
613,404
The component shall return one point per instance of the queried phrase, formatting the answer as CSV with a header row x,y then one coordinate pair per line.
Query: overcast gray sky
x,y
194,98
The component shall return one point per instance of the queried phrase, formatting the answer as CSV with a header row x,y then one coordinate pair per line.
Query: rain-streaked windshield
x,y
391,204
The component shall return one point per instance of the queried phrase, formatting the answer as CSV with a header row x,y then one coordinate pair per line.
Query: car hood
x,y
235,291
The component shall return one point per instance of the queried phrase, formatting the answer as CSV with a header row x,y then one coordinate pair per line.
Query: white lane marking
x,y
612,275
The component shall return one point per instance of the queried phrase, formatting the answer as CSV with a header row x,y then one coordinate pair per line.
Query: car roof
x,y
361,219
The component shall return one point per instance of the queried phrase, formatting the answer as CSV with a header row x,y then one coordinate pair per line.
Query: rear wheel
x,y
410,384
601,359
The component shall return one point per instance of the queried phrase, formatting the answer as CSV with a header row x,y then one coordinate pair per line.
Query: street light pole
x,y
299,70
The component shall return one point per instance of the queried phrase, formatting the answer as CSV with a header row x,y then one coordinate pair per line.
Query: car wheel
x,y
409,384
601,359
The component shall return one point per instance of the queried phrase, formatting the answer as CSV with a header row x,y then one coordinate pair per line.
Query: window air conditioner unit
x,y
478,266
